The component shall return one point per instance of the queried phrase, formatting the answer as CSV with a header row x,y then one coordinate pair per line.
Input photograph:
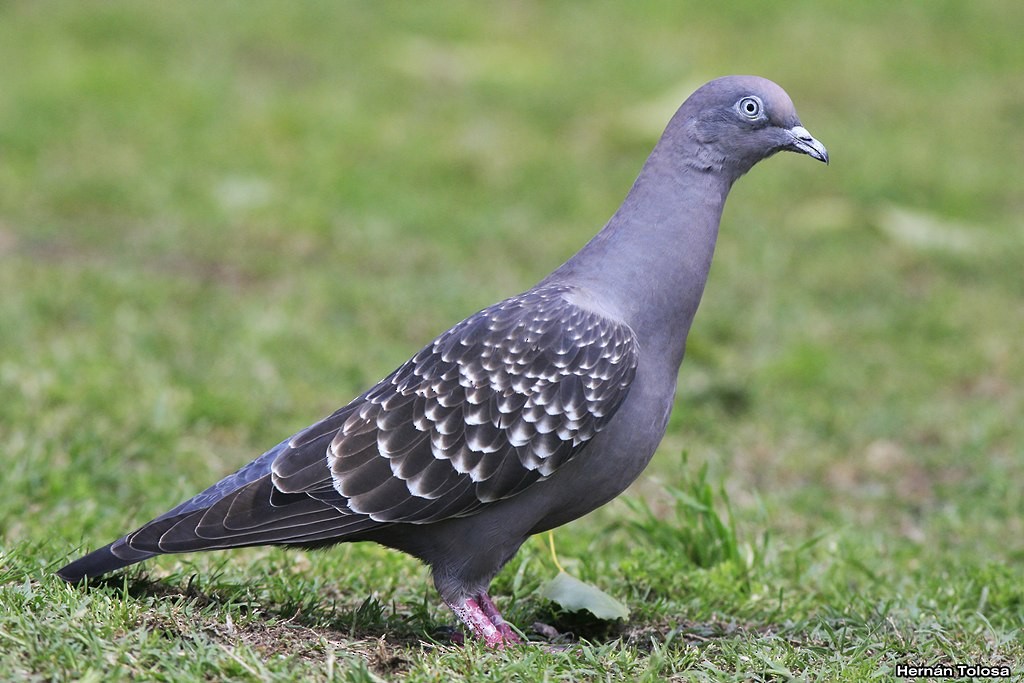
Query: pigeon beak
x,y
803,142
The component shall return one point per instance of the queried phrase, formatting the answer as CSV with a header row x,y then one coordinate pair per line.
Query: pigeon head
x,y
736,121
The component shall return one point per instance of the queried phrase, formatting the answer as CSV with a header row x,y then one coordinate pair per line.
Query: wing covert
x,y
498,402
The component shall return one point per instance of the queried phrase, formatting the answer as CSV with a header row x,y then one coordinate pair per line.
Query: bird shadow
x,y
369,619
383,630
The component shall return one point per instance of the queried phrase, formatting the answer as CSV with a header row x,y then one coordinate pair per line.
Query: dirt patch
x,y
276,638
187,613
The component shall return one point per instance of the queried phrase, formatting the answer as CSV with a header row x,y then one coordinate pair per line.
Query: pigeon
x,y
525,415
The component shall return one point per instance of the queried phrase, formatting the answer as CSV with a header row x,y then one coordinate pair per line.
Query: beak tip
x,y
805,143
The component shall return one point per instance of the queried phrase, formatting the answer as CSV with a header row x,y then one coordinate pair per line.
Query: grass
x,y
219,221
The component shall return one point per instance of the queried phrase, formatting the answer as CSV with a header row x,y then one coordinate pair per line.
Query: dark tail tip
x,y
100,562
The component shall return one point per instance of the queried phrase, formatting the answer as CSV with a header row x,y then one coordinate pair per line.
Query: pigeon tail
x,y
101,561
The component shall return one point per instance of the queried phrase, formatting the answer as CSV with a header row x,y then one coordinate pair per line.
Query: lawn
x,y
221,221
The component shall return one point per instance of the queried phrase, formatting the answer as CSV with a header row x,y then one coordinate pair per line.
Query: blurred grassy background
x,y
220,221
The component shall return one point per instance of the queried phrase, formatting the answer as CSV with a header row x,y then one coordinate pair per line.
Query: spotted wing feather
x,y
498,402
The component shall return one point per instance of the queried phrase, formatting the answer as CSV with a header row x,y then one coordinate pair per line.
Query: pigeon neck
x,y
650,262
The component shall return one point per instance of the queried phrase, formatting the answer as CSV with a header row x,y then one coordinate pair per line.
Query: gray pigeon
x,y
522,417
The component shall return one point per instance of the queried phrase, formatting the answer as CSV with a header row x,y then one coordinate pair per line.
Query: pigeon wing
x,y
498,402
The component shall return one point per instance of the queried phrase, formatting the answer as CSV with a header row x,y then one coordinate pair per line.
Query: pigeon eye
x,y
750,107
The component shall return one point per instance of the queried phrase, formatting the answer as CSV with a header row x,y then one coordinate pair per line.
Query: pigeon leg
x,y
481,622
488,607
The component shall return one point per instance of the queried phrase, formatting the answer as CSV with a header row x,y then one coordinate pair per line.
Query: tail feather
x,y
117,555
243,509
255,514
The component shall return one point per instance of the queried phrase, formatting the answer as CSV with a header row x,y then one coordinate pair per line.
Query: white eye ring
x,y
750,106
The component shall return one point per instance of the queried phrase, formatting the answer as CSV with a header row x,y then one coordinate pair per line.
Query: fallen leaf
x,y
574,595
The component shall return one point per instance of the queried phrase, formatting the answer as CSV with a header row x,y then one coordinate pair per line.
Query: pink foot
x,y
490,610
485,622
